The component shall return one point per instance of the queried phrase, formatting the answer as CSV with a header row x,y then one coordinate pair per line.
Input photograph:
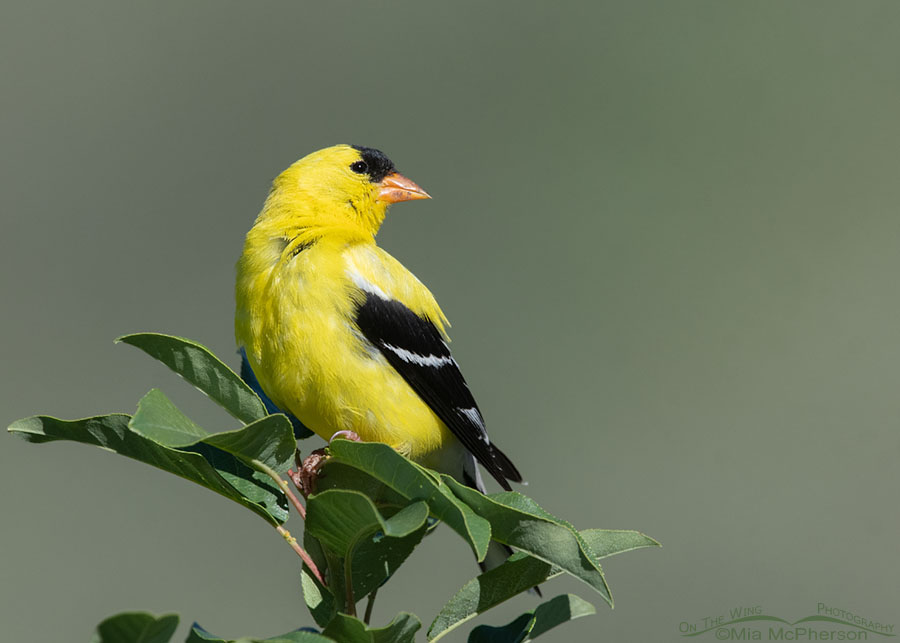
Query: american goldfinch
x,y
339,335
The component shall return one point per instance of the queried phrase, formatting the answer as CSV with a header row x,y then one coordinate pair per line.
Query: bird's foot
x,y
347,435
304,478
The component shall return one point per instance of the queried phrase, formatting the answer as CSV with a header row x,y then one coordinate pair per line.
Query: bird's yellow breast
x,y
295,318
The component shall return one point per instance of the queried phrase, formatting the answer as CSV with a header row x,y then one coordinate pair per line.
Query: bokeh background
x,y
666,234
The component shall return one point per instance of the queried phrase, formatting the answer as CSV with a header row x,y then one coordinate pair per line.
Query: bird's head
x,y
340,187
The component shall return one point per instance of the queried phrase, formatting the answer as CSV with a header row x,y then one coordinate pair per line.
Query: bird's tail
x,y
502,468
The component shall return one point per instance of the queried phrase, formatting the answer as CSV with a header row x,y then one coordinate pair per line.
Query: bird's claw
x,y
304,478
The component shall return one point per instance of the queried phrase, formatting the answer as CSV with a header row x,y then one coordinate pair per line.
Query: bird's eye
x,y
360,167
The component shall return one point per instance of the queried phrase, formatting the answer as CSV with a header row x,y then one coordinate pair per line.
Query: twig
x,y
284,486
300,552
370,603
293,498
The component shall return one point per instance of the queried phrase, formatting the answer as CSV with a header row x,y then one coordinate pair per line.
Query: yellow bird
x,y
339,334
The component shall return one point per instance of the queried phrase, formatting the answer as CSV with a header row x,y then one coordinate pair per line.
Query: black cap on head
x,y
377,165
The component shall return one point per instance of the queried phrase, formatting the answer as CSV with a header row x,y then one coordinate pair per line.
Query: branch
x,y
283,485
301,552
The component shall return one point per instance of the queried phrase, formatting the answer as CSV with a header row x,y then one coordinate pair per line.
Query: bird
x,y
339,335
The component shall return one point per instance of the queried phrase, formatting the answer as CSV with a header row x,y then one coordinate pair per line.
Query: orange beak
x,y
395,187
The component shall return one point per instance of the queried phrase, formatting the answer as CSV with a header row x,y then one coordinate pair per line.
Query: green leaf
x,y
349,525
609,542
158,419
269,441
340,519
204,464
244,457
348,629
529,626
136,627
515,632
299,636
336,475
317,597
376,559
303,635
251,484
518,521
520,573
415,483
196,363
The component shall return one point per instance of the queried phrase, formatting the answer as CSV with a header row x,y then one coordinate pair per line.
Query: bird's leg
x,y
304,478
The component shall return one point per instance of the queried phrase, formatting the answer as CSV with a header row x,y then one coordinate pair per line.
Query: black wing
x,y
416,350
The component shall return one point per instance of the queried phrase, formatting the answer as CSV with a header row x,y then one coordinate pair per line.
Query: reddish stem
x,y
294,499
301,552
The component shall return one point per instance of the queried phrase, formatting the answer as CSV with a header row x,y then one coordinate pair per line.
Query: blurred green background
x,y
666,234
